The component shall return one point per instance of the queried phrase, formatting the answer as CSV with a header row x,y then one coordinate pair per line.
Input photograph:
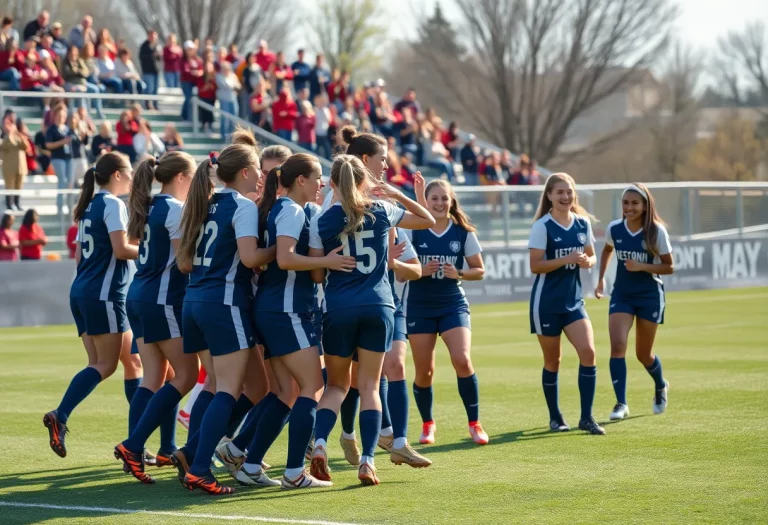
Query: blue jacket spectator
x,y
83,33
318,78
37,27
301,72
59,44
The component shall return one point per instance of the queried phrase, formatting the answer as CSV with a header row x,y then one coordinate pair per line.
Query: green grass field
x,y
704,461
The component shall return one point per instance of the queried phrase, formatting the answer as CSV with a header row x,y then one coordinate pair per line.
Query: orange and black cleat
x,y
57,433
163,460
179,460
134,462
207,483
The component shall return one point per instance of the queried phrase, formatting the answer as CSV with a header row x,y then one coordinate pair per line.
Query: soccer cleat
x,y
366,473
149,458
479,435
620,411
350,449
260,479
134,462
386,443
308,453
229,460
591,426
183,418
406,455
660,399
304,481
57,433
318,467
163,460
207,483
179,460
428,433
559,425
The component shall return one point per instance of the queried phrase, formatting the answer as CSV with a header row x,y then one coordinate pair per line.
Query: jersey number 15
x,y
361,250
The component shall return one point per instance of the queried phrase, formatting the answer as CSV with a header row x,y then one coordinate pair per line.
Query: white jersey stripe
x,y
173,326
105,284
298,331
537,303
239,330
111,317
290,281
662,303
229,287
162,294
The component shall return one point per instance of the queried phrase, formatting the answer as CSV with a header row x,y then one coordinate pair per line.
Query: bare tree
x,y
242,22
744,56
349,33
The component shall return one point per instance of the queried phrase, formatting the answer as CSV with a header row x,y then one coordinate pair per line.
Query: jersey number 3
x,y
144,252
361,250
212,229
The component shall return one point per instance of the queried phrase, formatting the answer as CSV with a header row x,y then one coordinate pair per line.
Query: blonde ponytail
x,y
194,214
348,173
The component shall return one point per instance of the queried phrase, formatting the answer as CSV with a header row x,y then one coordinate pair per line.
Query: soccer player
x,y
435,304
219,235
359,305
560,244
155,298
97,295
643,254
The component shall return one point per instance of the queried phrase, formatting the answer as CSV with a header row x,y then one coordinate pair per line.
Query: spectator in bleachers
x,y
53,79
11,64
126,128
305,126
102,142
406,130
32,76
126,71
251,77
83,33
32,237
105,39
385,117
409,100
7,32
284,114
150,55
318,77
451,140
206,92
173,56
264,57
302,95
75,73
493,175
191,75
260,104
146,142
88,54
9,239
233,55
46,45
525,174
172,138
37,27
81,138
507,166
280,72
227,89
13,152
436,156
301,72
59,44
322,123
43,154
221,57
72,240
107,71
334,125
58,140
468,156
339,89
33,168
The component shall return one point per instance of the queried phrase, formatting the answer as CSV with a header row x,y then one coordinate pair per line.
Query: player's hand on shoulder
x,y
385,190
342,263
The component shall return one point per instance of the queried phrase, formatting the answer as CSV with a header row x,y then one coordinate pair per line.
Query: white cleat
x,y
620,411
660,399
260,479
224,456
304,481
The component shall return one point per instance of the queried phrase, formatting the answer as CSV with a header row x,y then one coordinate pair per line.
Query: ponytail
x,y
108,164
347,174
195,212
140,197
455,212
86,194
268,198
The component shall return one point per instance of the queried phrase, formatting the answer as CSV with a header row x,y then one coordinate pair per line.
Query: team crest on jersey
x,y
455,246
582,238
642,244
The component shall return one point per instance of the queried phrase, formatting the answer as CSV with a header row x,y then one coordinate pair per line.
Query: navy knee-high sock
x,y
325,419
398,407
247,431
301,424
241,409
470,396
423,397
587,384
348,410
370,425
656,373
139,404
618,368
198,411
549,383
130,386
212,429
386,419
162,403
84,382
270,425
168,430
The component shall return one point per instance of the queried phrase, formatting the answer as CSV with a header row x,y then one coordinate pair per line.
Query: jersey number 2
x,y
211,229
361,250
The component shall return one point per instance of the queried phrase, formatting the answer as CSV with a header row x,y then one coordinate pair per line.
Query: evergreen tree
x,y
438,34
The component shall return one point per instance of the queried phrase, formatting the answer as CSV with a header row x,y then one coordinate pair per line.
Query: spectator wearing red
x,y
260,102
105,39
72,240
305,126
206,92
264,57
52,80
9,239
233,55
280,72
339,88
451,140
284,114
526,174
11,64
173,56
32,75
126,128
191,74
31,237
37,27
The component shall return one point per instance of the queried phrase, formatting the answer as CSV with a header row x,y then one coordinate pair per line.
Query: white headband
x,y
636,189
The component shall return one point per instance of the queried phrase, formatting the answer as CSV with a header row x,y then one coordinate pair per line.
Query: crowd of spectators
x,y
27,243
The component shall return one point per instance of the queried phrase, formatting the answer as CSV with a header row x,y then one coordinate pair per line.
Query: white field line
x,y
108,510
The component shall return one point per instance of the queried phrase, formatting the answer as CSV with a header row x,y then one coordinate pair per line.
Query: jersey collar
x,y
438,235
635,234
573,221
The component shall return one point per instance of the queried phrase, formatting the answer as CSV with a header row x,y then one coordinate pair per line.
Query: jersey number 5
x,y
86,239
361,250
212,229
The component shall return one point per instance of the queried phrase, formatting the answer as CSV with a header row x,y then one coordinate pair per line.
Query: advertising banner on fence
x,y
37,293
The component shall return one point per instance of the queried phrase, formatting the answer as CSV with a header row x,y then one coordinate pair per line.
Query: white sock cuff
x,y
348,436
386,432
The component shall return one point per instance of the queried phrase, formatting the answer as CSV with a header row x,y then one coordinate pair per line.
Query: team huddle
x,y
288,301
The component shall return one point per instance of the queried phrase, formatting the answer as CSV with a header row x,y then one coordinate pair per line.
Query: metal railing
x,y
87,96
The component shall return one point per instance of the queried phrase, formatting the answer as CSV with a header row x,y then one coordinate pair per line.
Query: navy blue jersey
x,y
101,275
435,295
312,209
408,254
281,290
559,291
628,245
368,283
158,279
218,276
